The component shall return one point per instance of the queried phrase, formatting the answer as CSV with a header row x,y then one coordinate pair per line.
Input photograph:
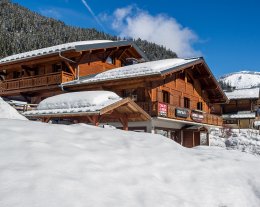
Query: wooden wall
x,y
179,88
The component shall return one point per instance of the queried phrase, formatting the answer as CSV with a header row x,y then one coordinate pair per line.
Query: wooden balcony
x,y
34,83
157,109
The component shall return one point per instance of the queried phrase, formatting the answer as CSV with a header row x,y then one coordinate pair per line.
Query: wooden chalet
x,y
243,108
35,75
177,93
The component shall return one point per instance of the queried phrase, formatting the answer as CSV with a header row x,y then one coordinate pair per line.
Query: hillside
x,y
242,79
23,30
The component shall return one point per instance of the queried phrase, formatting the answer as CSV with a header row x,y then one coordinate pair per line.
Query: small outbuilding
x,y
92,107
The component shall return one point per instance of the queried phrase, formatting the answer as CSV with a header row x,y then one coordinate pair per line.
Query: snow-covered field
x,y
80,165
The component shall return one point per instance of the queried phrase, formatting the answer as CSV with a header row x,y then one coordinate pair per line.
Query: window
x,y
186,102
200,106
166,96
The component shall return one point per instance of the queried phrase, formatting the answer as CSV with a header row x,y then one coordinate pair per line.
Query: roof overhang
x,y
77,49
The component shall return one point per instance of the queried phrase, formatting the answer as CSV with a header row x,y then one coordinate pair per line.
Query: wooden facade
x,y
162,96
33,78
185,96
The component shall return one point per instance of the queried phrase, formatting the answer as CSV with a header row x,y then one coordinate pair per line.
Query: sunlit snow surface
x,y
51,50
7,111
242,79
79,165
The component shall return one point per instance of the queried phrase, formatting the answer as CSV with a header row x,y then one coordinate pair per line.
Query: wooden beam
x,y
72,70
124,122
37,60
119,57
84,55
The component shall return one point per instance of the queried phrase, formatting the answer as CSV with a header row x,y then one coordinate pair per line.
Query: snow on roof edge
x,y
51,50
91,78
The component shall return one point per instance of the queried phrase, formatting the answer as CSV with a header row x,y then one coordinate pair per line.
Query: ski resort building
x,y
243,108
179,95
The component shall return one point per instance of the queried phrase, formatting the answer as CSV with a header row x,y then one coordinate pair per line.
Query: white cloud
x,y
133,22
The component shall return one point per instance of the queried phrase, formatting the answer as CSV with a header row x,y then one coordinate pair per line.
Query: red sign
x,y
162,109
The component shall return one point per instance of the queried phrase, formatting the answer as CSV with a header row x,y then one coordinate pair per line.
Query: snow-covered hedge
x,y
246,140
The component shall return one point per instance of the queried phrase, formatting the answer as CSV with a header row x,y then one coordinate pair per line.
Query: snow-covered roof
x,y
76,102
247,93
8,112
240,115
77,46
158,67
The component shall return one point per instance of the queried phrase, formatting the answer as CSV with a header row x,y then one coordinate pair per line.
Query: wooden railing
x,y
157,109
34,81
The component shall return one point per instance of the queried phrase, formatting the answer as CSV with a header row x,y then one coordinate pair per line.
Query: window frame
x,y
186,102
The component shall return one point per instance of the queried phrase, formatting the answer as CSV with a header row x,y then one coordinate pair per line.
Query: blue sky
x,y
225,32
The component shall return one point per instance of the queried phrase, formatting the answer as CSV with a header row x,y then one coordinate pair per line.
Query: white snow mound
x,y
8,112
96,99
79,165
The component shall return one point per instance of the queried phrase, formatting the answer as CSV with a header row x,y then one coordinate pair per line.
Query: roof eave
x,y
80,48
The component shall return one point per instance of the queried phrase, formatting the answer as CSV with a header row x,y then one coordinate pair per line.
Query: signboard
x,y
181,112
162,108
197,116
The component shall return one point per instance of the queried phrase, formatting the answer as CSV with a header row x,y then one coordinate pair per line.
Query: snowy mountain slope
x,y
243,79
80,165
8,112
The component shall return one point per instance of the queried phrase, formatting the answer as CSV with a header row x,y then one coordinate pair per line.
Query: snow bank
x,y
79,165
94,99
246,140
8,112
